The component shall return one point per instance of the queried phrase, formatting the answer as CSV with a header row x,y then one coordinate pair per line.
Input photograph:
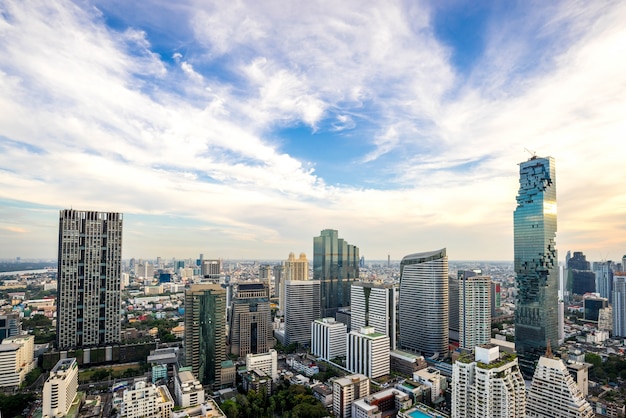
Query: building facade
x,y
292,269
60,388
554,394
302,307
265,362
346,390
474,309
89,278
375,305
423,303
251,319
367,353
328,338
489,385
146,400
205,332
16,359
619,305
188,390
535,262
335,266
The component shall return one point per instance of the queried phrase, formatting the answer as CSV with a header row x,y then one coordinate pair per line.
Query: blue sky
x,y
242,129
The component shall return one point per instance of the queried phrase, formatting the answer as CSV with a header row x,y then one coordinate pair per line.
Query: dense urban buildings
x,y
205,332
335,266
251,319
535,262
423,303
302,306
89,270
554,394
489,385
375,305
60,388
474,309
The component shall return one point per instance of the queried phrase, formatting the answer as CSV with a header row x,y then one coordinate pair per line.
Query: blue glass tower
x,y
536,266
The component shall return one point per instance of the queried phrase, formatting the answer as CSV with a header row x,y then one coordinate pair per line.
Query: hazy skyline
x,y
242,129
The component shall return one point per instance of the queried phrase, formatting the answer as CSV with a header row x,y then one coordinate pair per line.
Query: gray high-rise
x,y
89,274
423,303
336,266
535,261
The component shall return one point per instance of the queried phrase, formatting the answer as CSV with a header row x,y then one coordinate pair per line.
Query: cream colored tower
x,y
293,270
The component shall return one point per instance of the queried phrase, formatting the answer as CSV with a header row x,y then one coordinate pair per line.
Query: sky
x,y
241,129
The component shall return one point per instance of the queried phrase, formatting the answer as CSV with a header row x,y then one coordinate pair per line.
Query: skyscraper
x,y
302,307
374,305
367,352
536,266
336,266
293,269
251,320
474,309
89,278
423,303
205,332
619,305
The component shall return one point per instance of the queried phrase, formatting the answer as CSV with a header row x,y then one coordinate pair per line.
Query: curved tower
x,y
423,303
536,267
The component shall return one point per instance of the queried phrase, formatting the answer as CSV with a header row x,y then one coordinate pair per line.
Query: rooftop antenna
x,y
533,154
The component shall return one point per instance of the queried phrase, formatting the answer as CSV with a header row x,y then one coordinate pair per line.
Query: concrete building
x,y
375,305
145,400
367,353
433,379
211,270
619,305
423,304
205,337
346,390
188,389
302,307
474,309
265,362
328,338
89,278
406,363
10,325
292,269
381,404
16,359
554,394
251,319
59,390
489,385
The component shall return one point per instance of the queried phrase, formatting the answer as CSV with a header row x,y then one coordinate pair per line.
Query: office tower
x,y
423,303
367,352
265,272
265,362
474,309
336,266
554,394
604,279
302,306
453,309
278,279
580,278
328,338
60,388
605,319
346,390
89,270
211,269
10,325
489,385
592,306
205,332
251,320
374,305
293,270
536,307
495,298
16,359
619,305
144,270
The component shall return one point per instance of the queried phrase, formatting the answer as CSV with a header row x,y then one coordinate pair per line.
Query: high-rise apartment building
x,y
89,284
536,265
328,338
251,320
302,306
619,305
375,305
367,352
346,390
490,385
474,309
604,279
453,308
336,266
423,303
60,388
554,394
293,269
205,332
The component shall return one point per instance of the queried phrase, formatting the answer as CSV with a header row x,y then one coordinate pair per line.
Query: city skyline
x,y
242,130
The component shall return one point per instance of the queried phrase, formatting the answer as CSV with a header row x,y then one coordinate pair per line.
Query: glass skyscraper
x,y
536,266
423,303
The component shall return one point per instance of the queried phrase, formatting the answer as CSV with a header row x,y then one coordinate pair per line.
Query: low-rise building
x,y
146,400
16,359
188,389
381,404
267,362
